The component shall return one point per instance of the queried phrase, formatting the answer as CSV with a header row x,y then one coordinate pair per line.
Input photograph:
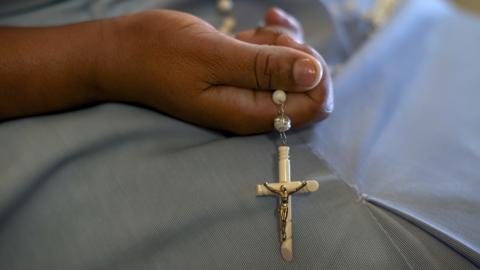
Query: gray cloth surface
x,y
319,29
120,187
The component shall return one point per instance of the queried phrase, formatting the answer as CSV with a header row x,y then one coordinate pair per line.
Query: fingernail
x,y
279,11
329,104
307,73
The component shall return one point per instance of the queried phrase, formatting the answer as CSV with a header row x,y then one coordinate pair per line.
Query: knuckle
x,y
310,50
277,32
154,21
272,32
264,69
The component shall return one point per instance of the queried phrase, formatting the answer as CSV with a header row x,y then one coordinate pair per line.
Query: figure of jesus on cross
x,y
284,196
284,188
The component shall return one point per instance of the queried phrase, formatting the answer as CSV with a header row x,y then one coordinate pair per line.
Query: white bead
x,y
228,25
225,5
282,123
279,97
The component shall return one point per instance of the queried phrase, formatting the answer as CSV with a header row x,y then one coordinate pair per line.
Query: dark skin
x,y
170,61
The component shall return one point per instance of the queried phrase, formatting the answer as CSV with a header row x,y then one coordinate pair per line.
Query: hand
x,y
282,29
182,66
171,61
278,21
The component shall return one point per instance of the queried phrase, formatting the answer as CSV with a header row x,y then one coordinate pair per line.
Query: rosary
x,y
284,188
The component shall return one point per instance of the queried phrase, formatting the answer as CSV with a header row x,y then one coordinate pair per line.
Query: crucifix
x,y
284,188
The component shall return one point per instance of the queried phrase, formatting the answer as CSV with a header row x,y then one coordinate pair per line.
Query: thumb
x,y
264,67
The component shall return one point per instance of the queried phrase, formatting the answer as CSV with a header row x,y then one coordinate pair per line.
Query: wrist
x,y
118,58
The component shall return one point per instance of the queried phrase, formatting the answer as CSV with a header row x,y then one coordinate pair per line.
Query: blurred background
x,y
469,5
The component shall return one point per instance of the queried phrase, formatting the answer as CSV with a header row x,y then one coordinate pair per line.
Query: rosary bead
x,y
282,123
279,97
225,5
228,25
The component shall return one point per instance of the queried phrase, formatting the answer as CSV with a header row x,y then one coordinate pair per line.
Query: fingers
x,y
276,17
230,104
277,22
244,111
323,92
313,105
267,37
238,110
260,36
263,67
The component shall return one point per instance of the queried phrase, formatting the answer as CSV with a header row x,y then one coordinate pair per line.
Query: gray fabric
x,y
318,27
7,8
119,187
419,249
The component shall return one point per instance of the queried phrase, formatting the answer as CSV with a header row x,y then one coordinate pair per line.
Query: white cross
x,y
284,188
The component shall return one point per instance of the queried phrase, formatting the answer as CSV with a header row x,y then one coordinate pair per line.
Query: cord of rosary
x,y
282,122
225,7
281,115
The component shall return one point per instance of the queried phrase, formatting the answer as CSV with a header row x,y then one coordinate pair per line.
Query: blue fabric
x,y
405,132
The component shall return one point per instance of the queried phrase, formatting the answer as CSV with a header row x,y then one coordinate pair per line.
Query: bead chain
x,y
281,114
225,7
282,122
